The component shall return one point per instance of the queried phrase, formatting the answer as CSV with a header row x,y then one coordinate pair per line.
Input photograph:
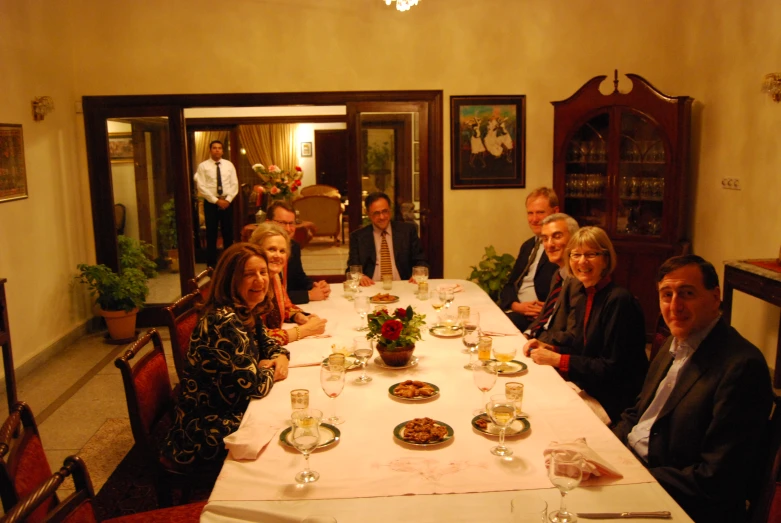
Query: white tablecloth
x,y
370,463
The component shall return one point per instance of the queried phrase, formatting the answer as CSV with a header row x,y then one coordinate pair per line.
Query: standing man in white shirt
x,y
527,289
218,185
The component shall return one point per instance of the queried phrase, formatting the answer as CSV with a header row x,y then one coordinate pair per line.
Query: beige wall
x,y
715,51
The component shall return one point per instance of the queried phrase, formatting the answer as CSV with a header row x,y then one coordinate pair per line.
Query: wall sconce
x,y
42,105
772,86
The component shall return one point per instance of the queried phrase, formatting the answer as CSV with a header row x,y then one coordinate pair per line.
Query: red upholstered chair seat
x,y
181,318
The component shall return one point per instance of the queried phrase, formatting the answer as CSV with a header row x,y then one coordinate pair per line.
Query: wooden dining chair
x,y
201,282
23,463
78,507
181,318
150,402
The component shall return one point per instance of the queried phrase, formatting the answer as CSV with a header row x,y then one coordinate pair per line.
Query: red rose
x,y
401,313
298,183
391,330
298,168
294,188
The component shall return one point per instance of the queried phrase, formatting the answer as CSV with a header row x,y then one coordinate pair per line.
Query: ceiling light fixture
x,y
402,5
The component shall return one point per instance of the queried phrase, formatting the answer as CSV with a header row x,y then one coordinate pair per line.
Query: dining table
x,y
371,474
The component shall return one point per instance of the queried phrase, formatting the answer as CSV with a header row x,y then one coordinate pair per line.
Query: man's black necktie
x,y
530,261
219,179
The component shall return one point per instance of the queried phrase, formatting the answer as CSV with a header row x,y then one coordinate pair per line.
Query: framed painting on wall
x,y
120,147
13,175
306,149
487,142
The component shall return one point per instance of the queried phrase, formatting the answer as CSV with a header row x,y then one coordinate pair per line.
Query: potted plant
x,y
493,271
118,296
395,335
166,228
134,254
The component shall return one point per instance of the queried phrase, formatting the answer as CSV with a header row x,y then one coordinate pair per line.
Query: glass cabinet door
x,y
641,173
586,178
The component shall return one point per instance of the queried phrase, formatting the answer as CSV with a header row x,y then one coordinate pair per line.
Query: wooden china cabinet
x,y
620,162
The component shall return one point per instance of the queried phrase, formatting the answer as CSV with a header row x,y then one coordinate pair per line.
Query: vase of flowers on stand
x,y
277,183
395,334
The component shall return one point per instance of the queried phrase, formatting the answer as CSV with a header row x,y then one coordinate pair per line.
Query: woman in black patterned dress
x,y
230,361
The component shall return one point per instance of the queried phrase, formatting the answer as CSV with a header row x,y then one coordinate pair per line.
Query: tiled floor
x,y
74,394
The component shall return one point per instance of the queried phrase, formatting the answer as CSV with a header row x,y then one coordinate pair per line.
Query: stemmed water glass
x,y
565,472
332,381
501,409
471,338
362,349
356,271
449,297
438,300
305,437
363,308
420,273
484,374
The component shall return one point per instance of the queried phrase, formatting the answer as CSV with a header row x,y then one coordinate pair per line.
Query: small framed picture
x,y
306,149
13,175
120,147
487,142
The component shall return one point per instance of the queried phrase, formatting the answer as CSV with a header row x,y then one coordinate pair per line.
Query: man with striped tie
x,y
385,247
551,323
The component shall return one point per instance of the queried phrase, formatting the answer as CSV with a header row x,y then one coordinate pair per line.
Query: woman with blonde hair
x,y
231,360
605,351
274,241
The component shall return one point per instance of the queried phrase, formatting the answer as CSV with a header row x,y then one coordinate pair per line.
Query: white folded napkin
x,y
455,287
252,437
592,403
592,464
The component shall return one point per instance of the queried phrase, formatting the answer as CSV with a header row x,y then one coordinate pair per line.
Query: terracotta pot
x,y
121,324
397,357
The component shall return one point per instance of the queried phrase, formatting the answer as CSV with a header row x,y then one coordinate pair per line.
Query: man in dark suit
x,y
300,287
700,416
524,294
385,247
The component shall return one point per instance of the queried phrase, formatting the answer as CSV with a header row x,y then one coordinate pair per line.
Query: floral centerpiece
x,y
395,334
277,182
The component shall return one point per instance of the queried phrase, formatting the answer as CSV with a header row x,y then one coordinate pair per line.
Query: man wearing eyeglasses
x,y
385,247
300,287
527,289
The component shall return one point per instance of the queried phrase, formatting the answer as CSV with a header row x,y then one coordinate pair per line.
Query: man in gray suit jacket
x,y
399,238
700,416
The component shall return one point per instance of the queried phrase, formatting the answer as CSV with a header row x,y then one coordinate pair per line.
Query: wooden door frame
x,y
99,108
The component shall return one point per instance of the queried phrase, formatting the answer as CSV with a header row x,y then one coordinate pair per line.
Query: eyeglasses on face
x,y
384,212
285,224
587,255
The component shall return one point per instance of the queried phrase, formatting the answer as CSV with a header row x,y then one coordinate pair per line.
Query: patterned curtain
x,y
270,144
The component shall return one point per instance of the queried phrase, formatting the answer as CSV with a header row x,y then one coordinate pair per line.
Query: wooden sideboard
x,y
759,282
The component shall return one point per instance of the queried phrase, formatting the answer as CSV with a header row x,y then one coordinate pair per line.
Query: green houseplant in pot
x,y
492,272
119,296
166,229
395,334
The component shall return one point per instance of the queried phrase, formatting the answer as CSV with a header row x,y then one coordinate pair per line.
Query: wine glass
x,y
356,272
501,409
305,436
362,307
332,381
362,349
504,354
484,374
471,338
565,472
449,297
438,300
420,273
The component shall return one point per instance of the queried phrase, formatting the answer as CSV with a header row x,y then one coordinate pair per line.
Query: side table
x,y
760,282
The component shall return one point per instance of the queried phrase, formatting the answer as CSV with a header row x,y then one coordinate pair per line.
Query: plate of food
x,y
423,432
383,298
412,362
329,436
446,331
482,423
508,368
351,362
413,390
